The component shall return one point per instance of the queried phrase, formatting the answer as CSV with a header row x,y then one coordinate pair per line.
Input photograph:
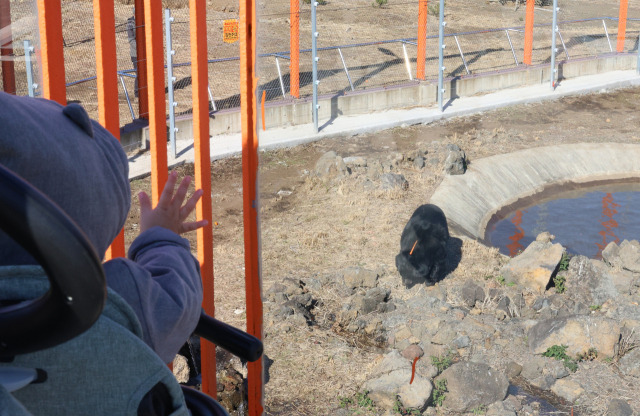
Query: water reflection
x,y
583,221
609,224
515,247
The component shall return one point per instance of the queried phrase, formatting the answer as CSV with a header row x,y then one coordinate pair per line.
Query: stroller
x,y
68,344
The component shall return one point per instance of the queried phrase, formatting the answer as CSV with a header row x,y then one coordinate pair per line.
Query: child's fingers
x,y
145,202
181,193
167,192
192,226
191,204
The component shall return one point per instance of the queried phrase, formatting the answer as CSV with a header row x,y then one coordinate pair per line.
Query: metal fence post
x,y
314,57
346,70
213,103
441,46
406,60
170,80
126,94
280,78
31,86
515,58
638,61
606,32
464,61
554,29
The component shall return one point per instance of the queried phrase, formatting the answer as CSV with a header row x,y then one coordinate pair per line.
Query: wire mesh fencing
x,y
362,45
18,43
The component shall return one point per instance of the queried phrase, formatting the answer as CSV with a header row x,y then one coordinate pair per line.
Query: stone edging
x,y
470,200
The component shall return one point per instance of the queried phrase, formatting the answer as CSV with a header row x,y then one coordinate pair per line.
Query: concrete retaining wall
x,y
413,94
470,200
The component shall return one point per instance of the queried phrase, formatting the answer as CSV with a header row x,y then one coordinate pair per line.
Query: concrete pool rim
x,y
495,185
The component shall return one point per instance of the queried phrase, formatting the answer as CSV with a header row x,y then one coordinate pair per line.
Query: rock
x,y
391,378
181,368
629,364
589,282
330,165
534,267
389,181
545,237
355,277
462,342
625,256
358,161
456,163
371,300
411,352
579,333
556,369
513,369
618,407
568,390
419,162
499,409
471,293
532,368
470,385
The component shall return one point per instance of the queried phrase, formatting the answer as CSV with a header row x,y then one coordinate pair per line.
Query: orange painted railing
x,y
294,64
622,25
528,32
422,39
6,49
53,75
107,82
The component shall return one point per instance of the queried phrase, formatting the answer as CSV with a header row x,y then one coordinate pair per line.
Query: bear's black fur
x,y
423,247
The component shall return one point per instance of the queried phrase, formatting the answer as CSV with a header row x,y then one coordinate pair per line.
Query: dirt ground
x,y
321,228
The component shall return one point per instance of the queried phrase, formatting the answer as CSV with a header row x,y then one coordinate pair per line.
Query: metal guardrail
x,y
403,41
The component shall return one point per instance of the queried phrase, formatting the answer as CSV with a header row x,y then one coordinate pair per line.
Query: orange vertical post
x,y
104,24
157,97
202,162
294,54
622,25
248,110
141,53
422,39
51,52
528,32
6,49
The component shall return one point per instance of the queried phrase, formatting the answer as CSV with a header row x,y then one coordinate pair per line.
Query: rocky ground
x,y
342,332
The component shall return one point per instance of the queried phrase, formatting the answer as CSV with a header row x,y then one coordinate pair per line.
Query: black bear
x,y
423,247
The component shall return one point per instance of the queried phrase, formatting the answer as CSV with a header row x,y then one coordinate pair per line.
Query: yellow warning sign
x,y
230,31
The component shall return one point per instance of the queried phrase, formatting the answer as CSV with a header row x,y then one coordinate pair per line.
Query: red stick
x,y
413,366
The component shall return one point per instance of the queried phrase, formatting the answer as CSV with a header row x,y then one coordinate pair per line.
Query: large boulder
x,y
330,165
625,256
471,384
589,281
629,364
534,267
391,379
568,390
579,333
356,277
456,162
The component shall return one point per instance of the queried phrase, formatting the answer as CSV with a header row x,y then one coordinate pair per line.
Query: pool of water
x,y
583,221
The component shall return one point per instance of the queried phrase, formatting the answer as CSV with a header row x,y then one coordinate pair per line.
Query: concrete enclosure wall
x,y
414,94
470,200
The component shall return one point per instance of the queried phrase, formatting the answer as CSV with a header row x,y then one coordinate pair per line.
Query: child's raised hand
x,y
170,212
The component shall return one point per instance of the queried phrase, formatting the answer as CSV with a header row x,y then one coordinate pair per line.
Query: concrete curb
x,y
470,200
228,145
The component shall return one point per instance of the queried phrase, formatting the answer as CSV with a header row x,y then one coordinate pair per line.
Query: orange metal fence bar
x,y
52,54
622,25
6,49
104,24
422,39
141,53
157,97
294,64
199,77
528,32
248,110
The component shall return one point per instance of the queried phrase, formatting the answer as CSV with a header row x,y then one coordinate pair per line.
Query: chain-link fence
x,y
362,44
